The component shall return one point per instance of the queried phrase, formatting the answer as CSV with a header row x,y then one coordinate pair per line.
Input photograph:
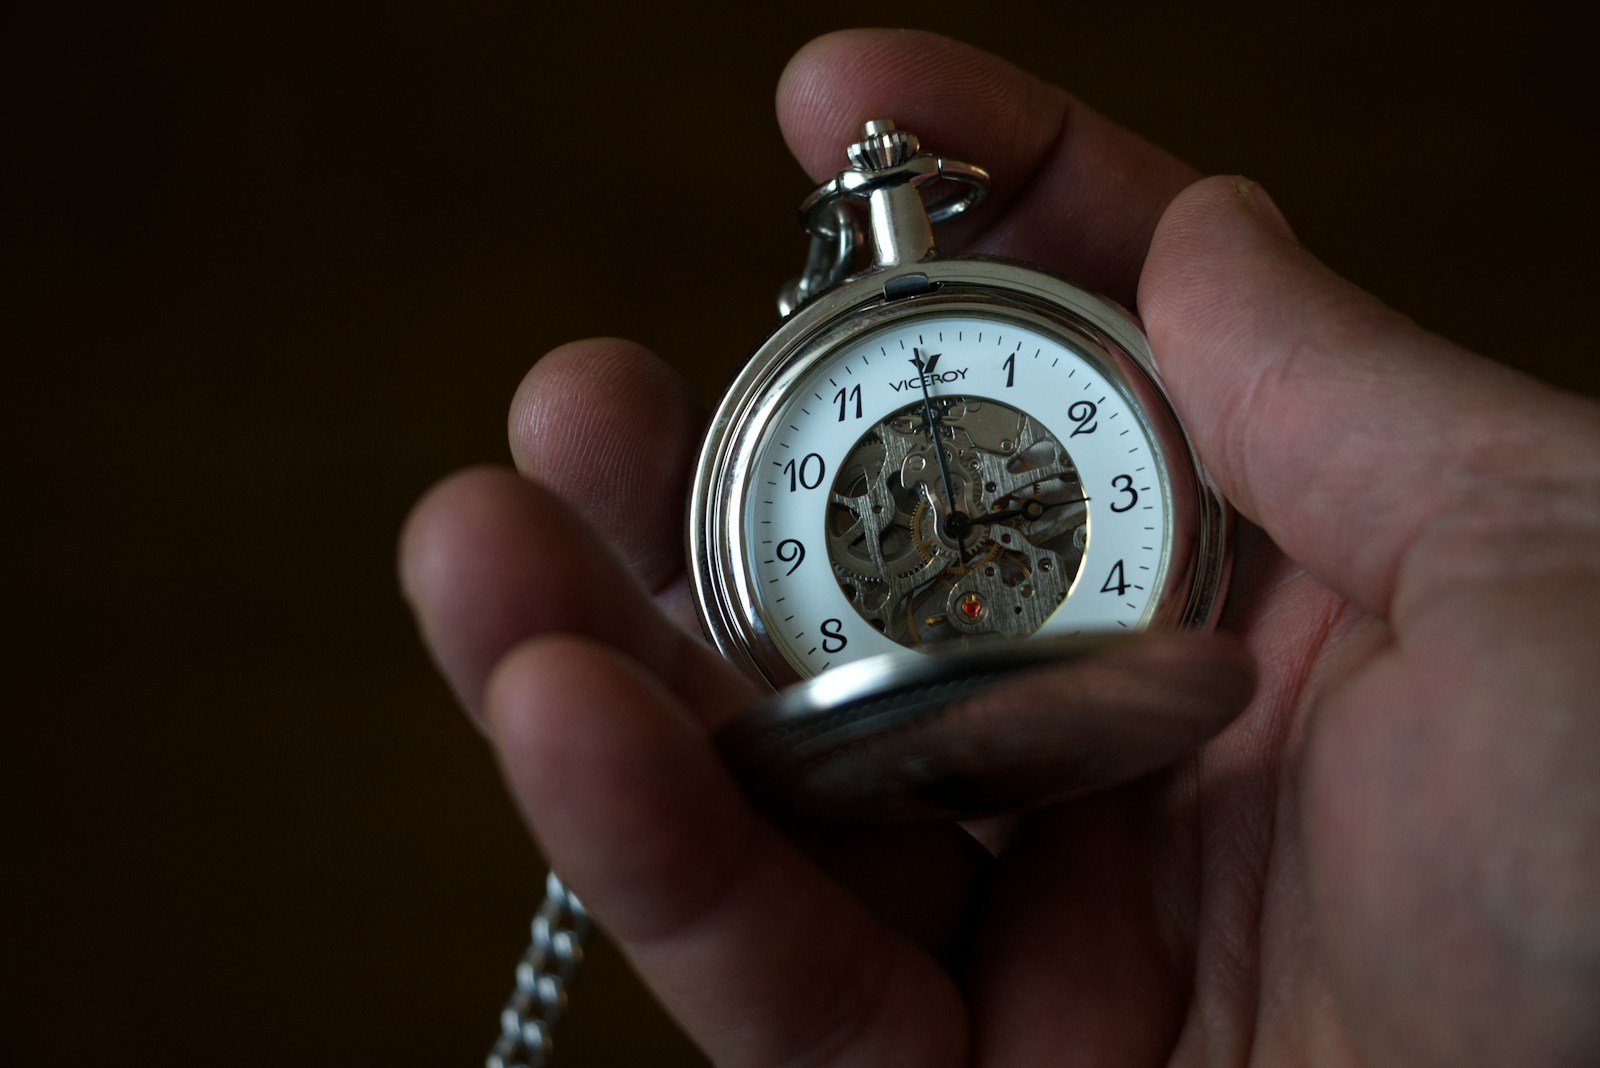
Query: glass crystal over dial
x,y
955,477
935,454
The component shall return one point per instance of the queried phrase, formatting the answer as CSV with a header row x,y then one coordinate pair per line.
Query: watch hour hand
x,y
1030,510
954,526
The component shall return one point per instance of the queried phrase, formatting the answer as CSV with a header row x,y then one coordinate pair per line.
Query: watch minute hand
x,y
938,453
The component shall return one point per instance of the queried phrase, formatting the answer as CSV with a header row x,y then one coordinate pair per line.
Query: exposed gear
x,y
919,566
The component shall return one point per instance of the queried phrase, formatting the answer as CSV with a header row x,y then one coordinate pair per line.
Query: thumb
x,y
1347,432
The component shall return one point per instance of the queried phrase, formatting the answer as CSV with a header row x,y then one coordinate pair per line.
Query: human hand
x,y
1388,860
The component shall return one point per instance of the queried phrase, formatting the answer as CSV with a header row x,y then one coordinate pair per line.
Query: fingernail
x,y
1255,198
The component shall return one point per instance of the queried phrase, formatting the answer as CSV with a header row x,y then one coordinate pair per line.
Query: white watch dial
x,y
949,477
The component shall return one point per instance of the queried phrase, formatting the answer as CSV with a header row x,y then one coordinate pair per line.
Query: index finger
x,y
1073,191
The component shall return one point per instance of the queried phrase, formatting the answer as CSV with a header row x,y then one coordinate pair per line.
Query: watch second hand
x,y
938,453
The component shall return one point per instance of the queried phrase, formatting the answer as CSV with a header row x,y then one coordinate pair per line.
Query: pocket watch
x,y
934,455
948,513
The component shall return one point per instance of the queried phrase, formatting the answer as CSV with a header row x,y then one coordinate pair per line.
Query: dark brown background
x,y
274,268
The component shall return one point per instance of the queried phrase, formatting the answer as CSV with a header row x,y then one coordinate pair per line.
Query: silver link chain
x,y
544,975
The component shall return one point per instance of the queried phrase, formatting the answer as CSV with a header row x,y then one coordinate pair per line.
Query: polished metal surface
x,y
1097,330
888,172
1000,729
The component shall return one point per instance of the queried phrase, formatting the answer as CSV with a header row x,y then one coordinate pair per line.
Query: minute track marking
x,y
879,467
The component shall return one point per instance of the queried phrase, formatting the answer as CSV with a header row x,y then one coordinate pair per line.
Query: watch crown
x,y
882,146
